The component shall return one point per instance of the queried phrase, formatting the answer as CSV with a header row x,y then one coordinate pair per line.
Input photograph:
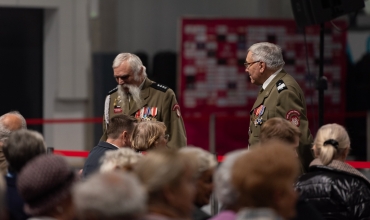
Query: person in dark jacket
x,y
119,133
336,189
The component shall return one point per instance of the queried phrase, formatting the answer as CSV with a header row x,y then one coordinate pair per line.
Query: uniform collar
x,y
142,84
267,82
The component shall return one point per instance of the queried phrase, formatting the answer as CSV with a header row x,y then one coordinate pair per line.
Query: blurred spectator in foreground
x,y
335,188
121,159
45,184
20,148
280,129
224,189
264,179
205,163
9,122
119,133
169,181
283,131
3,214
110,196
149,135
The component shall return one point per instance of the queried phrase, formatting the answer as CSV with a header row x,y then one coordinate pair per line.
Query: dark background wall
x,y
21,54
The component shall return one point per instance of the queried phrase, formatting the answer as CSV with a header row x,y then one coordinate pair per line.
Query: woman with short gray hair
x,y
224,190
205,164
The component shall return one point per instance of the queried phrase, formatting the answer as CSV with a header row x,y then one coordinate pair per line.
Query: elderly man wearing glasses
x,y
280,96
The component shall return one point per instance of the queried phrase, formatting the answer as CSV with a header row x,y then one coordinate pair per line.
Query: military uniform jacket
x,y
159,100
284,98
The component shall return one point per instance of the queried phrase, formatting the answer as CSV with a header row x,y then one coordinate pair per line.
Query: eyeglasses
x,y
248,65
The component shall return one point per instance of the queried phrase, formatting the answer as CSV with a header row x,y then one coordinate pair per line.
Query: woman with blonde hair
x,y
335,188
148,135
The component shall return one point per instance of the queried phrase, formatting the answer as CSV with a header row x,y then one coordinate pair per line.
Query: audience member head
x,y
205,164
9,122
169,180
121,159
148,135
111,195
264,178
120,130
224,190
331,143
22,146
45,184
282,130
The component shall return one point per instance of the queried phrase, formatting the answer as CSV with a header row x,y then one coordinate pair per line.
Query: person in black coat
x,y
119,132
336,189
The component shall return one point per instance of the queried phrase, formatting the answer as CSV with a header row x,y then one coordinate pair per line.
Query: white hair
x,y
110,195
203,159
4,130
121,158
268,53
224,190
133,60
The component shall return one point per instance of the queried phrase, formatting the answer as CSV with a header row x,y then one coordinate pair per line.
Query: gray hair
x,y
203,159
268,53
328,152
133,60
123,158
224,189
110,195
4,130
22,146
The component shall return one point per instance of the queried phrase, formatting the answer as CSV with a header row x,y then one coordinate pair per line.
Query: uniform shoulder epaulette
x,y
280,86
112,91
159,87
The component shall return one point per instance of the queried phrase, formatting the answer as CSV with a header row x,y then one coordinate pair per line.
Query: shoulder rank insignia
x,y
159,87
112,91
280,86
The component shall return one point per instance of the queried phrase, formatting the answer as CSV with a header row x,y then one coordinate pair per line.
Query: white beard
x,y
133,90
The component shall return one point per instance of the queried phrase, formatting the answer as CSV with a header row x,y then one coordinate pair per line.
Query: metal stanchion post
x,y
368,135
50,150
212,148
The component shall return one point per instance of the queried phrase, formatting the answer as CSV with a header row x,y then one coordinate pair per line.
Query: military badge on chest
x,y
116,105
258,112
147,114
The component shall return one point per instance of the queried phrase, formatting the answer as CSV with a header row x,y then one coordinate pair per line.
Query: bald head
x,y
10,122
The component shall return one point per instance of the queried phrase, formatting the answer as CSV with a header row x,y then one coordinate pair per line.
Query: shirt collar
x,y
114,145
267,82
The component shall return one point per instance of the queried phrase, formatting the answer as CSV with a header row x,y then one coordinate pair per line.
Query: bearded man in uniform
x,y
138,96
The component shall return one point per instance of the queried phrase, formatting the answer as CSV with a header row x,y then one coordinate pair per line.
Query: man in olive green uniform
x,y
138,96
280,96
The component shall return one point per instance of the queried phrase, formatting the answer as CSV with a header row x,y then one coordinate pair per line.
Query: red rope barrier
x,y
39,121
84,154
